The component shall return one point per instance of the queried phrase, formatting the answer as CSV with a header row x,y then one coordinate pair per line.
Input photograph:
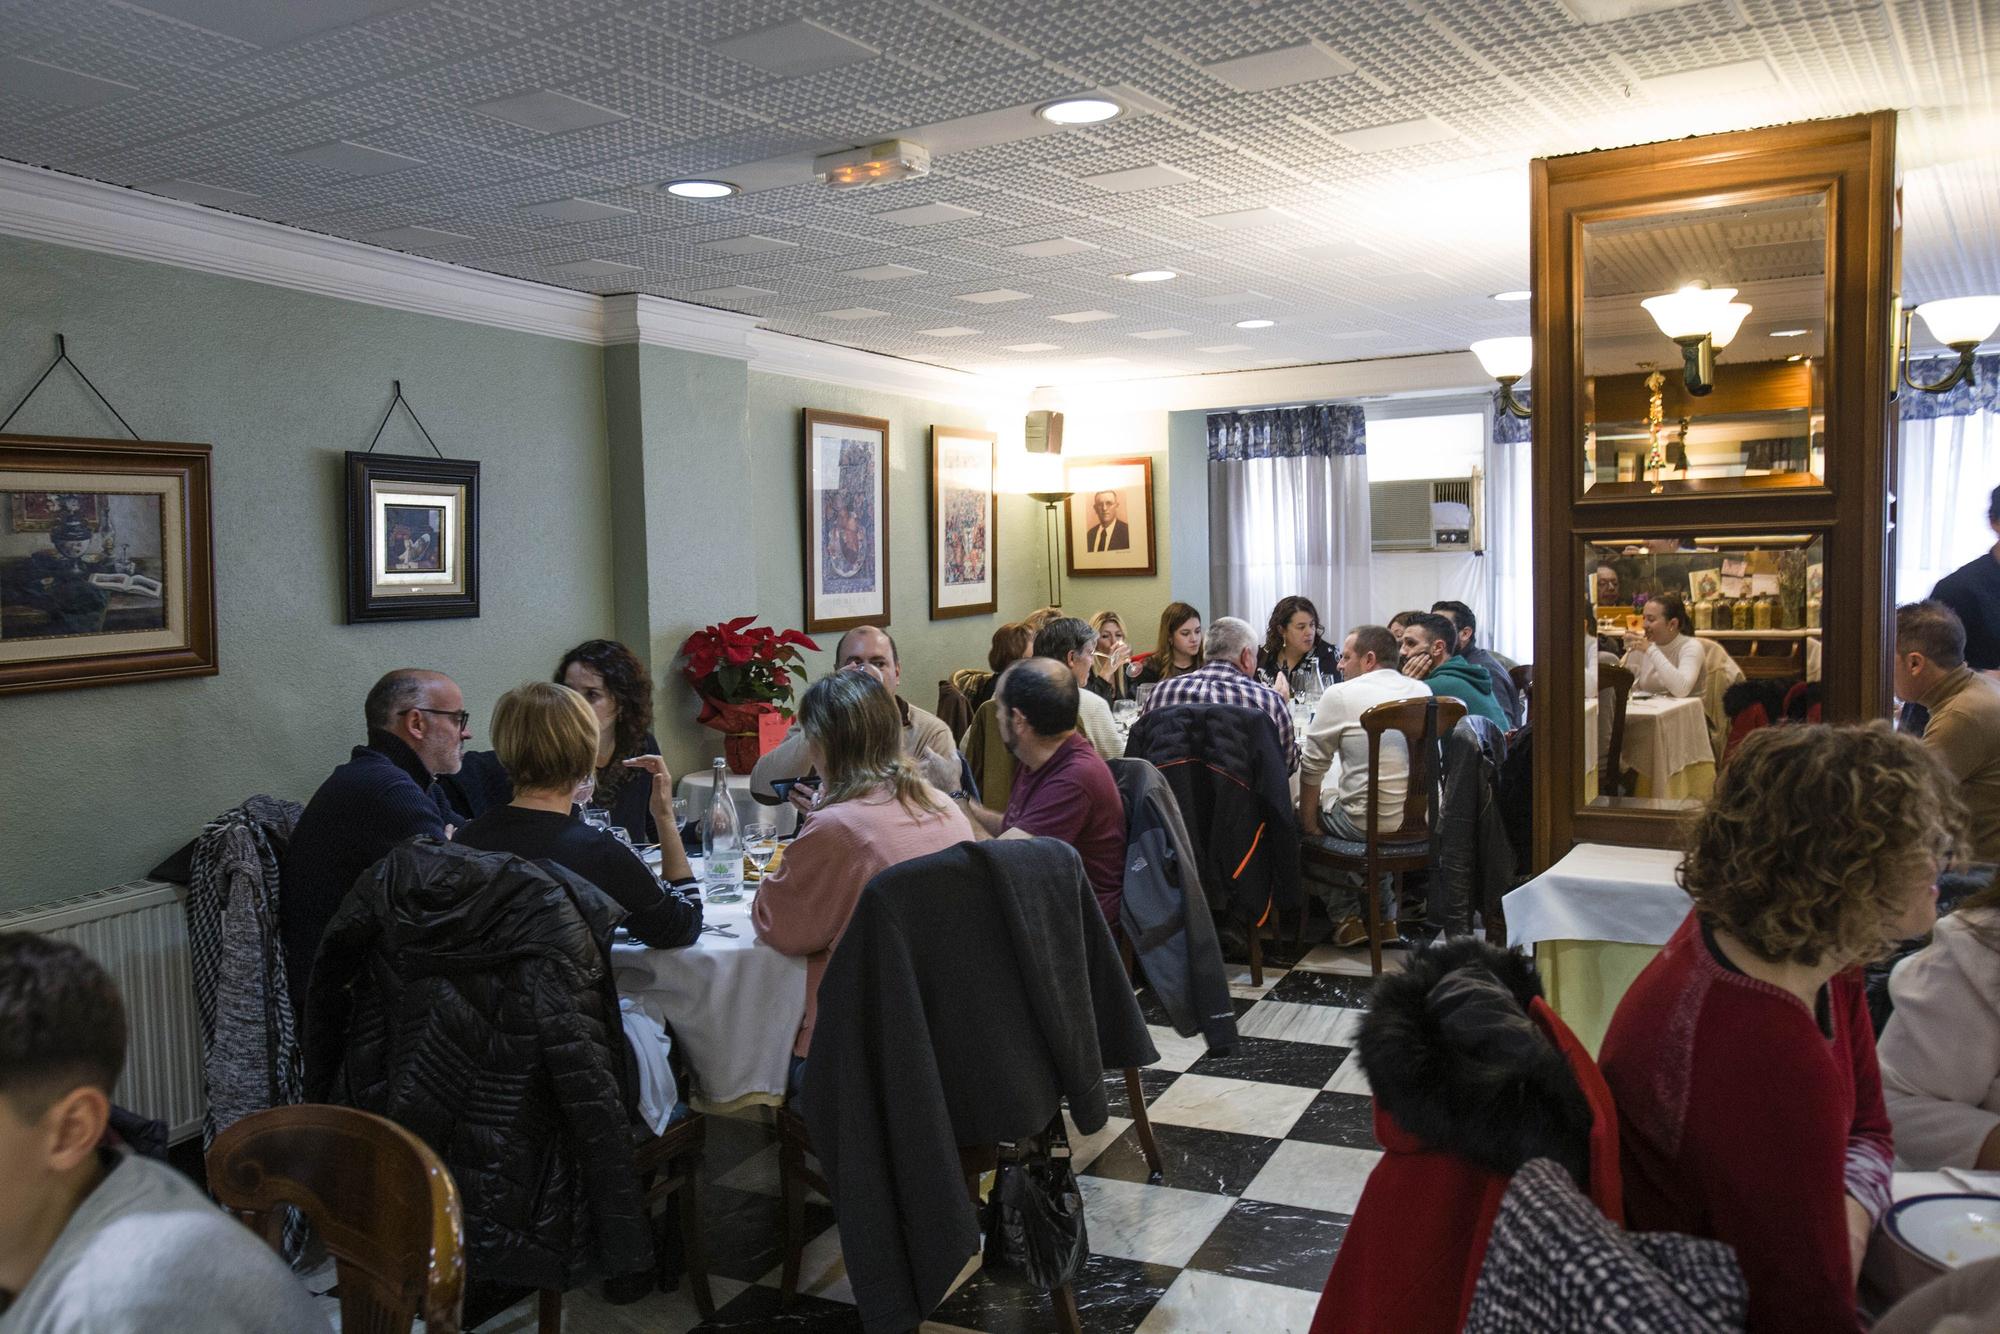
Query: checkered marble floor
x,y
1265,1152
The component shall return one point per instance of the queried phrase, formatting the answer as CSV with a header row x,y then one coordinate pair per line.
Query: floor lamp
x,y
1051,506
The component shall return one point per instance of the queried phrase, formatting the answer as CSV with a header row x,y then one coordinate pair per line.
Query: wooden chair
x,y
669,1164
1422,722
1135,1093
795,1176
1611,774
379,1198
1523,677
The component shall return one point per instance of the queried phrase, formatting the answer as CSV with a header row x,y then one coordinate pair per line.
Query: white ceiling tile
x,y
734,292
1084,317
593,268
1137,178
547,112
793,49
197,192
1243,219
1034,347
415,237
1227,347
924,214
854,313
877,273
271,22
1592,12
1051,249
1280,68
1161,333
1396,134
949,331
577,210
993,296
748,245
350,159
39,82
1738,76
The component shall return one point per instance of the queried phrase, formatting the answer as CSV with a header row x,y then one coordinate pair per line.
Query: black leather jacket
x,y
467,996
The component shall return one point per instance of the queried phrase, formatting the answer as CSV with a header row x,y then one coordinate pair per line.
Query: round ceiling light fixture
x,y
698,189
1518,294
1255,324
1151,276
1080,111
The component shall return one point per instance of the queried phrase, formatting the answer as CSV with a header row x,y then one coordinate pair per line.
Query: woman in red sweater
x,y
1742,1061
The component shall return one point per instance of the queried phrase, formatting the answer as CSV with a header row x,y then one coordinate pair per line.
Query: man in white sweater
x,y
92,1240
1071,641
1335,744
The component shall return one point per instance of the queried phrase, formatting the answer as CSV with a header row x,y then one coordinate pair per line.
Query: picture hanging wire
x,y
391,412
62,359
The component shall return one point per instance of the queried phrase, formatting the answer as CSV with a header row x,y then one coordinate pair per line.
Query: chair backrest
x,y
1422,721
954,708
1618,681
993,765
379,1198
1719,671
1523,677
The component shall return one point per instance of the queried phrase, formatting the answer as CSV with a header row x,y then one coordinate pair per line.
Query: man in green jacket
x,y
1429,655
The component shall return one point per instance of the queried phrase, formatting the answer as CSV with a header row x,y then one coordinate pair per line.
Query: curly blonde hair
x,y
1808,845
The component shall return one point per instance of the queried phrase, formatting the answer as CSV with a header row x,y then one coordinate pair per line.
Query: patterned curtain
x,y
1508,627
1947,467
1961,400
1288,512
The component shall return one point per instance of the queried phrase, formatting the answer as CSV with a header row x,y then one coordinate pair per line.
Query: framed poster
x,y
1111,516
107,562
412,538
965,532
847,530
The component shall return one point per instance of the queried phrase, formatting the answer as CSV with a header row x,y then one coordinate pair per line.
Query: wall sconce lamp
x,y
1702,320
1041,476
1507,360
1961,323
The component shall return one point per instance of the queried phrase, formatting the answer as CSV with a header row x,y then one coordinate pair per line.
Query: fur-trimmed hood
x,y
1459,1065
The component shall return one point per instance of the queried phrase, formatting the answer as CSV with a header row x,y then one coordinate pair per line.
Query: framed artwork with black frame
x,y
412,538
965,535
846,521
107,562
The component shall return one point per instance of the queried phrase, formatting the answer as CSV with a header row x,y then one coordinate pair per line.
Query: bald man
x,y
384,794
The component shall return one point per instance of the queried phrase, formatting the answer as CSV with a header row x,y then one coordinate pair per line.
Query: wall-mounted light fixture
x,y
1507,360
1702,320
1961,323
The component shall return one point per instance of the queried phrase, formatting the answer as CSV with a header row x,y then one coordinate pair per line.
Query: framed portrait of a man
x,y
1111,516
847,520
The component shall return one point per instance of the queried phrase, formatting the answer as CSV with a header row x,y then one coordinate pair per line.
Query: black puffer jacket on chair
x,y
467,996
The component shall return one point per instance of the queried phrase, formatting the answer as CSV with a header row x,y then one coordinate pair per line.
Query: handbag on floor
x,y
1035,1235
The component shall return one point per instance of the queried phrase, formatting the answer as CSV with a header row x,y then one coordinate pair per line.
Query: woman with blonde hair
x,y
1110,667
1178,650
547,736
874,810
1742,1060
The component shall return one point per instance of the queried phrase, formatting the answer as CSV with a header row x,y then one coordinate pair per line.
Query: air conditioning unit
x,y
1432,514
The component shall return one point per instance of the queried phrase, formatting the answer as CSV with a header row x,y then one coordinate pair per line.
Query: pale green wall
x,y
1187,460
96,785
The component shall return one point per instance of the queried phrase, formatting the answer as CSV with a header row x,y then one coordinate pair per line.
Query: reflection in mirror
x,y
1686,640
1704,333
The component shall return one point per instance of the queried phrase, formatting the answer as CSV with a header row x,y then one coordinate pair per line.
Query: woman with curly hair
x,y
1742,1060
614,683
1292,637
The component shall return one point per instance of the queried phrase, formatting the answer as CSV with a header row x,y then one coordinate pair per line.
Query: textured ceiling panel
x,y
1270,202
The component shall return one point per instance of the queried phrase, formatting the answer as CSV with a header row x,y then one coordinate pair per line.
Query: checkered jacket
x,y
1221,683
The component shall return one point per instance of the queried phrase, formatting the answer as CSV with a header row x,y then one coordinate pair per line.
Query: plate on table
x,y
1948,1230
1642,694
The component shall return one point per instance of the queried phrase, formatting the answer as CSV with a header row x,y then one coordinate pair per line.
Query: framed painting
x,y
412,538
1111,516
965,533
107,562
847,530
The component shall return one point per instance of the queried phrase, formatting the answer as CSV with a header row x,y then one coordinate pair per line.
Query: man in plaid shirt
x,y
1228,675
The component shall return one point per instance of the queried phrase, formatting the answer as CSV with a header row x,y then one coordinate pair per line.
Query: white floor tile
x,y
1204,1303
758,1174
1328,1025
822,1269
1085,1148
1236,1105
1351,962
1239,980
1176,1052
1349,1079
586,1312
1155,1224
1327,1177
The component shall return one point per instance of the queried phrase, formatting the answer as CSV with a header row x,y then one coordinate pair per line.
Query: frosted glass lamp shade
x,y
1731,320
1692,312
1505,358
1960,320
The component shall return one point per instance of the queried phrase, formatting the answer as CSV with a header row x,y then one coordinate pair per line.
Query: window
x,y
1407,448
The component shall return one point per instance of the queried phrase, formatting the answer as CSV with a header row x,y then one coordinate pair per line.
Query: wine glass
x,y
760,845
1125,712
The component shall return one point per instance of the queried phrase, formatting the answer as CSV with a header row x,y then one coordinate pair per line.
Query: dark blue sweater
x,y
379,798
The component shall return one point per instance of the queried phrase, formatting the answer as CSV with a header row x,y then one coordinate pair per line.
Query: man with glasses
x,y
383,795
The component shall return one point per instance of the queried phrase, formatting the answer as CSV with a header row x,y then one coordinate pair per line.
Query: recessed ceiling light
x,y
1255,324
1790,333
1151,276
1080,111
701,189
1516,295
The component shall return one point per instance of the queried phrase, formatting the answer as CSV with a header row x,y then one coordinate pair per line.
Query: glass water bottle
x,y
721,833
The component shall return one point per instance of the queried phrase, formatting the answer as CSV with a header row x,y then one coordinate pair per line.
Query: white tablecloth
x,y
732,1002
698,787
1600,892
1663,736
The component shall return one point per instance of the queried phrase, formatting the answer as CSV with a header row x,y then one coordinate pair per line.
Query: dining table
x,y
1666,744
731,1002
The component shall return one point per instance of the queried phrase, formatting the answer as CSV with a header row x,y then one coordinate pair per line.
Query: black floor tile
x,y
1242,1004
1274,1061
1112,1297
743,1231
1273,1243
1346,1119
1191,1158
1152,1083
1303,988
756,1309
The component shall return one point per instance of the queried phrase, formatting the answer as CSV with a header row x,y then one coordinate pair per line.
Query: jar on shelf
x,y
1739,614
1763,613
1812,612
1703,612
1788,615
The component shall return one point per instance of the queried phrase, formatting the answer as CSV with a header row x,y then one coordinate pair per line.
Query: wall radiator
x,y
138,932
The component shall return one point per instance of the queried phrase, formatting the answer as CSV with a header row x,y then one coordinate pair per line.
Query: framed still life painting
x,y
1111,516
847,530
107,562
412,538
965,539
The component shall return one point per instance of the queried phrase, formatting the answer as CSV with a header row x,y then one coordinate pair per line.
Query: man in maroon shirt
x,y
1064,790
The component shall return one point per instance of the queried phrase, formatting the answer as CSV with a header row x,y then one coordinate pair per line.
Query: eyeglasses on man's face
x,y
458,716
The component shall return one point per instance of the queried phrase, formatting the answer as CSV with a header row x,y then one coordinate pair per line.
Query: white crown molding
x,y
1438,373
631,317
808,359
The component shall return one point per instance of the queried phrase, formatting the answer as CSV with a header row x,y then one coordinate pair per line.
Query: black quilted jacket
x,y
1230,781
467,996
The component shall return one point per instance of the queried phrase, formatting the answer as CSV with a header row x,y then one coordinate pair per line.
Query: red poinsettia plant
x,y
737,663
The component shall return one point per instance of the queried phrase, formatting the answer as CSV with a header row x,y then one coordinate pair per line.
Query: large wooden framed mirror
x,y
1712,452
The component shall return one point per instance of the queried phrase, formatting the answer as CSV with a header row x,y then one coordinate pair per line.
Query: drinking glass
x,y
597,818
1125,712
760,844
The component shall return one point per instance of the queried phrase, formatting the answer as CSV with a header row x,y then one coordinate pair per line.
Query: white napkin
x,y
650,1045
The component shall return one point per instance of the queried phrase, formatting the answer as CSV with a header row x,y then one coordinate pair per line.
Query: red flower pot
x,y
748,730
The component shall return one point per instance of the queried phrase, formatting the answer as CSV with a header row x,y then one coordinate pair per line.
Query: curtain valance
x,y
1320,430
